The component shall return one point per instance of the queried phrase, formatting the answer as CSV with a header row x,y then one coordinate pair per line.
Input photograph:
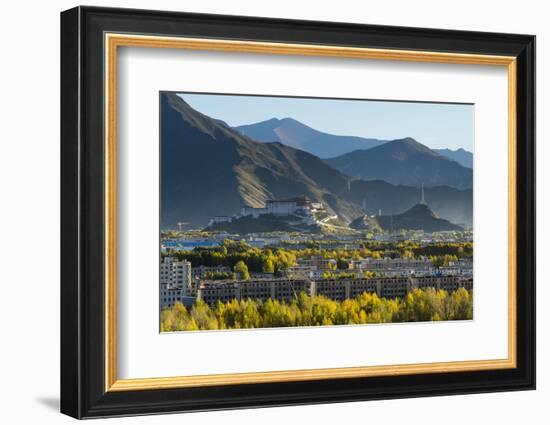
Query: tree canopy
x,y
277,259
417,306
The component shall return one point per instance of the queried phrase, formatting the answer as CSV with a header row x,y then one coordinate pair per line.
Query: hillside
x,y
404,162
210,169
295,134
419,217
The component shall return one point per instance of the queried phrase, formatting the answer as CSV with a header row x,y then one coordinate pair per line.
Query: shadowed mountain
x,y
210,169
419,217
446,202
406,162
463,157
297,135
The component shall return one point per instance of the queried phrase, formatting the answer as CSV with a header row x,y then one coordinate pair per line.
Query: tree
x,y
277,270
268,266
242,269
408,254
342,264
203,316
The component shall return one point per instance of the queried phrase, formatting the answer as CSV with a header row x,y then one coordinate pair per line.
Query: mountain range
x,y
404,162
210,169
463,157
300,136
324,145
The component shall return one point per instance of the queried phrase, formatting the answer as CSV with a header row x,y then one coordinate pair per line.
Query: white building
x,y
175,282
281,207
171,295
317,262
291,206
175,273
462,267
300,272
252,212
219,219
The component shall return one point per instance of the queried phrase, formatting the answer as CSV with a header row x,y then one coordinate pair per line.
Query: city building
x,y
175,273
447,283
175,282
334,288
394,278
300,272
258,289
396,267
171,295
317,262
461,267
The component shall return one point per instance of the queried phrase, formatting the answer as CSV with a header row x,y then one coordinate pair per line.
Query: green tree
x,y
242,270
268,266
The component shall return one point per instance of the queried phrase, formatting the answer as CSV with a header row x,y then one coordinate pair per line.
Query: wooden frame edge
x,y
307,375
512,212
114,40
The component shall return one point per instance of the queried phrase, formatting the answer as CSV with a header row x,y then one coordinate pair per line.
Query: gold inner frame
x,y
113,41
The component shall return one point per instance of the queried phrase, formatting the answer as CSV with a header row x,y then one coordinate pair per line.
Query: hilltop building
x,y
277,207
283,207
220,219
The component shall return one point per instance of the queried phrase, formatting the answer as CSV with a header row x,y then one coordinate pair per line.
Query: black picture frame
x,y
83,392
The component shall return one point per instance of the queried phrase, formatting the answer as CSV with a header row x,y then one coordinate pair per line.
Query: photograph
x,y
279,211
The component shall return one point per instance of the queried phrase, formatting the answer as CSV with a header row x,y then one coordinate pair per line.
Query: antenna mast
x,y
423,201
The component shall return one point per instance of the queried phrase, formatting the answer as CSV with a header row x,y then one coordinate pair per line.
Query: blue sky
x,y
436,125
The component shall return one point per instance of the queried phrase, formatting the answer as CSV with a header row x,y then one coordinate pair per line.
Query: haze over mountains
x,y
324,145
419,217
298,135
377,196
211,169
404,161
463,157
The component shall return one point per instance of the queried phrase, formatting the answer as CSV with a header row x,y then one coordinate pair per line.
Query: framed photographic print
x,y
261,212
